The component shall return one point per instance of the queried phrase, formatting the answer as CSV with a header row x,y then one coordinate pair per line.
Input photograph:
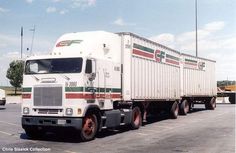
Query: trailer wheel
x,y
89,127
136,120
174,110
184,107
211,105
232,99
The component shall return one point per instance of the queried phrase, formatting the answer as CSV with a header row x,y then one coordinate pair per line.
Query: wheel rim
x,y
186,108
212,103
89,125
136,118
176,110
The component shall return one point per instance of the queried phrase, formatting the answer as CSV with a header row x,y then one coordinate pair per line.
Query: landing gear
x,y
136,120
89,127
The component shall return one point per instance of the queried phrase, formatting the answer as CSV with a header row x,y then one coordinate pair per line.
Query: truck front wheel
x,y
136,120
89,127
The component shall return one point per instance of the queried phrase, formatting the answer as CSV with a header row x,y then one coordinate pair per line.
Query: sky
x,y
169,22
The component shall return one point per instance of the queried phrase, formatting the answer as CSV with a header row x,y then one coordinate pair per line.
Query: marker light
x,y
79,111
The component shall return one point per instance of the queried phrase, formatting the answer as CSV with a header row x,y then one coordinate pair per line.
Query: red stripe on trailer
x,y
91,96
141,53
26,96
190,63
172,61
116,96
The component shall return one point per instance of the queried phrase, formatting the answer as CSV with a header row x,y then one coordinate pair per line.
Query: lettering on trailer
x,y
193,64
201,66
68,43
156,55
159,55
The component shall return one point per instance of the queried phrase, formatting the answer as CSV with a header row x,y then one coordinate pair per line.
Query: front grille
x,y
47,96
49,111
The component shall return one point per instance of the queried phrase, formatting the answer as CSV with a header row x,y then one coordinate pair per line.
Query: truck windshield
x,y
47,66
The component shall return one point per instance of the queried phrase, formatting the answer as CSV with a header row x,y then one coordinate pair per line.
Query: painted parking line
x,y
6,133
3,122
142,134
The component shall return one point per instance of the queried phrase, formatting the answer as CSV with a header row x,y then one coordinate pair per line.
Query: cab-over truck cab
x,y
76,87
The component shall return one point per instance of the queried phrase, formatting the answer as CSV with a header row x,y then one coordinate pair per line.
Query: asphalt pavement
x,y
201,131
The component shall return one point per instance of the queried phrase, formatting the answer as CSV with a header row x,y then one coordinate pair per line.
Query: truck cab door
x,y
90,71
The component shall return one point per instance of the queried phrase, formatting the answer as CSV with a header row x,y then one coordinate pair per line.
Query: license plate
x,y
61,122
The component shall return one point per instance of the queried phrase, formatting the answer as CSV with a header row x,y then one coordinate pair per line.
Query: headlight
x,y
25,110
69,111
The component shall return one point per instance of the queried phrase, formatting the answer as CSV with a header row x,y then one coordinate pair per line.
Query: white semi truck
x,y
96,80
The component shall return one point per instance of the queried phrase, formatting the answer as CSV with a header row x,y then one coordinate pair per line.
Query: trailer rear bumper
x,y
51,122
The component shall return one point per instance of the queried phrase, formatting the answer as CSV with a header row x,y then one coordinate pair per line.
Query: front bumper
x,y
51,122
2,102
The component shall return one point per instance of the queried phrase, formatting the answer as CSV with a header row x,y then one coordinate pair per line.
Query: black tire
x,y
211,104
136,120
34,133
174,111
232,99
89,127
184,107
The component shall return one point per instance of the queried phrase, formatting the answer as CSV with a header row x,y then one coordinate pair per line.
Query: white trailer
x,y
198,82
96,80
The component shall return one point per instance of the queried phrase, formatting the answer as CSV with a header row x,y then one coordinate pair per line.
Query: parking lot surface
x,y
201,131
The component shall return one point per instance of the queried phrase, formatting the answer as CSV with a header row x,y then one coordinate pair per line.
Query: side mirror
x,y
90,69
92,76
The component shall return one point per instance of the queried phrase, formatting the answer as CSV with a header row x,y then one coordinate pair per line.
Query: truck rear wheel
x,y
184,107
136,120
89,127
211,105
174,110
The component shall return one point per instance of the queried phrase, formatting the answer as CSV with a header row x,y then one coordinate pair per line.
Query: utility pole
x,y
196,27
32,42
21,46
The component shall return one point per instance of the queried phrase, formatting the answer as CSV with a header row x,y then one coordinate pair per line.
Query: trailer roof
x,y
160,45
145,39
198,57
